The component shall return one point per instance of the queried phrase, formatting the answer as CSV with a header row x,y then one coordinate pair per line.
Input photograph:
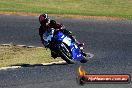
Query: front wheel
x,y
85,58
65,53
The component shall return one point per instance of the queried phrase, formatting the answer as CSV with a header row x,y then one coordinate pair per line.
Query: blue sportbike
x,y
63,46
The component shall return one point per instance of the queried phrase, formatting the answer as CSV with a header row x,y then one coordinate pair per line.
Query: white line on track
x,y
12,67
45,64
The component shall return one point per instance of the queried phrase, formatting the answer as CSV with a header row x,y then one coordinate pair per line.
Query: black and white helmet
x,y
44,18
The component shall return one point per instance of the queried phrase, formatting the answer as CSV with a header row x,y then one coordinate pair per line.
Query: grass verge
x,y
12,55
109,8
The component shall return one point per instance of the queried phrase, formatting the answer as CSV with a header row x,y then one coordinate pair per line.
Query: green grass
x,y
13,55
112,8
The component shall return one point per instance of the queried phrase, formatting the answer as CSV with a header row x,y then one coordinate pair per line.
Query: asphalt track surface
x,y
109,41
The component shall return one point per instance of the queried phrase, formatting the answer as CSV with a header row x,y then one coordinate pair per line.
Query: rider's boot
x,y
80,44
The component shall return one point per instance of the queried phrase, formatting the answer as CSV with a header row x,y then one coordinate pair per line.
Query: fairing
x,y
76,53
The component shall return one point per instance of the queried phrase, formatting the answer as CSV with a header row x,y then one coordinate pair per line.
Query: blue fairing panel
x,y
76,54
59,36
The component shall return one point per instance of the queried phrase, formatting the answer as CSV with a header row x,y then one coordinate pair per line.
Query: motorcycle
x,y
63,46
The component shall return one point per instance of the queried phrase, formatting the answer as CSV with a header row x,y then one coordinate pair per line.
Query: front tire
x,y
65,53
84,60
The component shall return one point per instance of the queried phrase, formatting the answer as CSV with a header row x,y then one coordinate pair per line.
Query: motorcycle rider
x,y
46,23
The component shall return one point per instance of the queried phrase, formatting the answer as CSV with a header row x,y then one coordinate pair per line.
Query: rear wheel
x,y
65,53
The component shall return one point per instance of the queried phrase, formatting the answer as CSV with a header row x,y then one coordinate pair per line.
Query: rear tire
x,y
65,53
